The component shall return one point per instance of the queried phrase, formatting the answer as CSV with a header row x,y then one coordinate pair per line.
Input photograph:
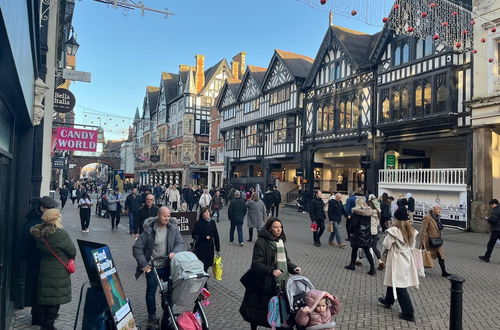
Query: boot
x,y
350,267
444,273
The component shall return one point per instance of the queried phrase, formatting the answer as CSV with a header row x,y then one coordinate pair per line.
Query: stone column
x,y
482,189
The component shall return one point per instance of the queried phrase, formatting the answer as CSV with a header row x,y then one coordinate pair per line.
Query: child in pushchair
x,y
310,309
184,288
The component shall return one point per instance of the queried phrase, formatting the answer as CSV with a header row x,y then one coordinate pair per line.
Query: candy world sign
x,y
73,139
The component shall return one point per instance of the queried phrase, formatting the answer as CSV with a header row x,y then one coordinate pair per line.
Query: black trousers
x,y
354,256
84,217
63,202
495,235
348,228
321,229
48,316
403,299
275,209
375,249
115,218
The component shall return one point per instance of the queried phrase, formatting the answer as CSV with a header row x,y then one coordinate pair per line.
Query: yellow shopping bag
x,y
217,267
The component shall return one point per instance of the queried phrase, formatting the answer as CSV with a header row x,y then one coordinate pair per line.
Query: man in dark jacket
x,y
32,256
411,206
317,214
268,199
236,212
335,212
146,211
160,238
188,196
132,205
276,202
494,221
63,195
158,192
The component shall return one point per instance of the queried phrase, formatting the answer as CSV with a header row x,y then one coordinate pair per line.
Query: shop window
x,y
326,119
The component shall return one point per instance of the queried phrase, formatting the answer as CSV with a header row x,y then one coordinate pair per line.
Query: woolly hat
x,y
48,202
401,214
52,216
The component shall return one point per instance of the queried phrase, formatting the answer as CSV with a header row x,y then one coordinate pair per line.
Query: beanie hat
x,y
401,214
48,202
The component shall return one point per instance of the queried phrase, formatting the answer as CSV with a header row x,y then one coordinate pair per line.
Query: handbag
x,y
314,226
330,228
428,261
419,262
217,267
70,265
435,242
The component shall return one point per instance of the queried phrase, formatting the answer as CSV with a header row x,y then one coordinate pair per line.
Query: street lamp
x,y
72,46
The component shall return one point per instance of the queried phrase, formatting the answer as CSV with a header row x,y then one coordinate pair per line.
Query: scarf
x,y
281,263
437,218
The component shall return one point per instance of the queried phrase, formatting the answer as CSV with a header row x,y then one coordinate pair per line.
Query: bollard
x,y
456,302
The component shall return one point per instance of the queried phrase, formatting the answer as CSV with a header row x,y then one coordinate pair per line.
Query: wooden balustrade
x,y
442,176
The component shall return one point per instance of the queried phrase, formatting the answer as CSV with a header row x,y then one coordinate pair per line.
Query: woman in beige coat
x,y
431,228
401,271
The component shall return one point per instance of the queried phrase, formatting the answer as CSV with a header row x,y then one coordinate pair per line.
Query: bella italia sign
x,y
64,100
68,138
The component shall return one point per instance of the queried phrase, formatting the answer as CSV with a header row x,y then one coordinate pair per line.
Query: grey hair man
x,y
160,239
236,212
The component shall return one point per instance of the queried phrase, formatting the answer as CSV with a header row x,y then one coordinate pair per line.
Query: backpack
x,y
277,313
188,321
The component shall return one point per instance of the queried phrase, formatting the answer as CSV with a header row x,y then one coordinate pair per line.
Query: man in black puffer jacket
x,y
317,214
494,221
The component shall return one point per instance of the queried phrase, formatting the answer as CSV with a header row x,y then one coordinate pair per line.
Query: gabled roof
x,y
152,94
299,65
169,81
232,85
258,73
137,115
211,72
359,45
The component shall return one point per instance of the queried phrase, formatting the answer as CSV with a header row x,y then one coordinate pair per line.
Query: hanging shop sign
x,y
154,158
64,100
73,139
58,162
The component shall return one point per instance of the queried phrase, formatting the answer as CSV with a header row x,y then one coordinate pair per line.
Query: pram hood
x,y
185,265
295,286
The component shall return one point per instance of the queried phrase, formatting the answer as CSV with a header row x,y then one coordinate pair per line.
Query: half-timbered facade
x,y
338,112
143,132
261,120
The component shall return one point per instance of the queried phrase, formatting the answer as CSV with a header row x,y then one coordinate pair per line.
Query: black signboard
x,y
185,221
58,162
154,158
414,152
64,100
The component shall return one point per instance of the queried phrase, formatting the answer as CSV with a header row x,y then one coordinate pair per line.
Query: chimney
x,y
235,69
184,67
240,58
200,72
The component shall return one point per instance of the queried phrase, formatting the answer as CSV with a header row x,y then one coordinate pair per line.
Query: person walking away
x,y
317,215
146,211
31,254
158,192
188,196
73,195
400,271
236,213
335,212
349,205
196,196
132,204
270,268
174,197
79,192
494,221
63,195
256,215
216,204
374,228
360,227
206,238
411,206
268,200
205,199
431,229
54,282
307,196
276,202
85,205
159,238
114,206
385,212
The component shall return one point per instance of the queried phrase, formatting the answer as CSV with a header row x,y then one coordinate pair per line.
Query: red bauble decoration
x,y
458,45
491,60
396,6
433,5
464,32
354,12
435,37
322,2
472,22
385,19
424,14
455,13
474,51
494,29
445,24
483,40
410,29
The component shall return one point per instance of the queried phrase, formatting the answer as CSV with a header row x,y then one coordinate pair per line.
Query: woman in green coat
x,y
54,282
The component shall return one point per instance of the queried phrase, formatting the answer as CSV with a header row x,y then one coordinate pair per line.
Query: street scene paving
x,y
324,266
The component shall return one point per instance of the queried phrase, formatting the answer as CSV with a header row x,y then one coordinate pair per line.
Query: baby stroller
x,y
182,290
296,288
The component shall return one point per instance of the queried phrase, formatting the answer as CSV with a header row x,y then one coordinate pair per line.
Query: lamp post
x,y
71,45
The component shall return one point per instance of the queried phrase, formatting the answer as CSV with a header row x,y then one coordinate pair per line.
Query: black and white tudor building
x,y
372,114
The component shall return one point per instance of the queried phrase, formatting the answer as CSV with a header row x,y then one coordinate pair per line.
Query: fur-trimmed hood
x,y
42,230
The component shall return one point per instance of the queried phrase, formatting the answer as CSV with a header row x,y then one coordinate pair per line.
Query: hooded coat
x,y
313,318
54,282
400,268
254,306
360,227
256,214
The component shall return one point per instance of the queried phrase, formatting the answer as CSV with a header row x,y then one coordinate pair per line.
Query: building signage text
x,y
76,139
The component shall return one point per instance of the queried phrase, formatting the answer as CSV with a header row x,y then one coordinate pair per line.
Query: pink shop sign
x,y
68,138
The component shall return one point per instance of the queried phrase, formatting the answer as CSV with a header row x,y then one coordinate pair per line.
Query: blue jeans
x,y
336,233
152,285
131,222
240,232
216,213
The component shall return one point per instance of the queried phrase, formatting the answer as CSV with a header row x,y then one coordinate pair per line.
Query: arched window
x,y
420,48
342,114
319,120
397,56
429,46
406,54
441,95
338,70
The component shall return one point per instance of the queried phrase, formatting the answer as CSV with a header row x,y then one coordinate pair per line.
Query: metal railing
x,y
441,176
